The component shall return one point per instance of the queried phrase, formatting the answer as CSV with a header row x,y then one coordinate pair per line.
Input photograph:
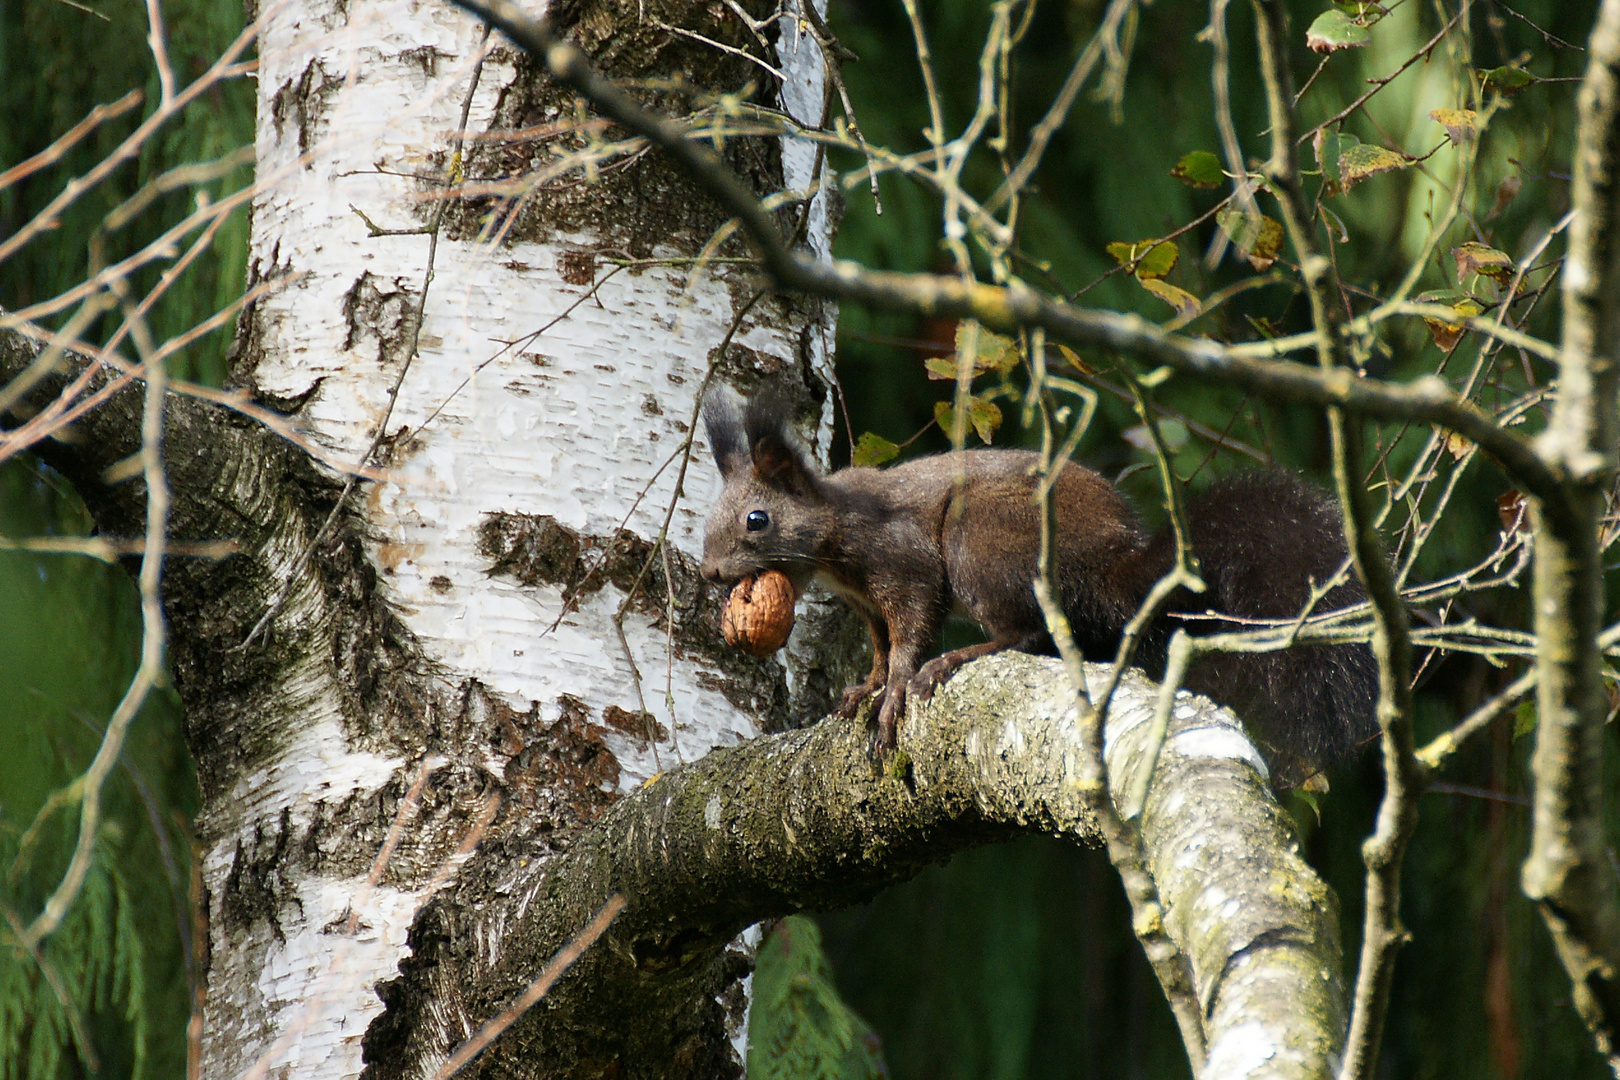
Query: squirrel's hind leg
x,y
850,703
943,666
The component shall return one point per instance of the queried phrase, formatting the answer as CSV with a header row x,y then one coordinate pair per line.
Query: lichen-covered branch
x,y
803,820
1568,872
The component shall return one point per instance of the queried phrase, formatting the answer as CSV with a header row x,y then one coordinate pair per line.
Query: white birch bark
x,y
576,425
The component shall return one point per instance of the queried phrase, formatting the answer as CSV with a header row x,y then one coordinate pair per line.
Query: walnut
x,y
759,613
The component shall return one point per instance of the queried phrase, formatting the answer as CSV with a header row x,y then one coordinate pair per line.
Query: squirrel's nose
x,y
711,571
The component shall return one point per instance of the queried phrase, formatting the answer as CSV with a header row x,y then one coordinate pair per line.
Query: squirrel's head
x,y
772,514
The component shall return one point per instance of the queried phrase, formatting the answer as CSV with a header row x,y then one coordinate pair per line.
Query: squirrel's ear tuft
x,y
723,421
778,460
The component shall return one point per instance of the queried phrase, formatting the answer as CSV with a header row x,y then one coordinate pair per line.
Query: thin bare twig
x,y
132,145
155,40
150,670
1058,112
70,138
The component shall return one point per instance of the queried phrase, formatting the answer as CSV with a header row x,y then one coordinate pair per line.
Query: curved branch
x,y
802,820
1427,400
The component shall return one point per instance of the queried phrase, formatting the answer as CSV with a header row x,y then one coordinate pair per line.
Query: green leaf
x,y
1334,30
1147,259
1309,799
1506,81
983,416
1346,160
873,449
1327,145
1199,169
1258,240
1525,718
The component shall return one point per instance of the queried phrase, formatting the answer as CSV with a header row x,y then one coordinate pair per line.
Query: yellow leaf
x,y
996,352
1357,163
1074,360
1446,333
1186,304
1259,239
1476,258
1461,125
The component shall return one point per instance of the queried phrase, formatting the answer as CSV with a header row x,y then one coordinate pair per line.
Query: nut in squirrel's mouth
x,y
758,615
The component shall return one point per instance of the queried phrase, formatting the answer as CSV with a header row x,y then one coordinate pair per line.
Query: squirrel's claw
x,y
885,734
850,703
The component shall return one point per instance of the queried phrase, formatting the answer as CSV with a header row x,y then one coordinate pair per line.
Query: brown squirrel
x,y
908,544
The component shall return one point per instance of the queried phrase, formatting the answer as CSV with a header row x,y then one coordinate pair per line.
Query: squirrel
x,y
907,544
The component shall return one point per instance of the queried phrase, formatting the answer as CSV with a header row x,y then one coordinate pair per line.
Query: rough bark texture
x,y
1569,871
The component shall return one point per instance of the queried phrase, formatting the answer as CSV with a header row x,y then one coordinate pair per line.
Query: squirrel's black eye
x,y
757,520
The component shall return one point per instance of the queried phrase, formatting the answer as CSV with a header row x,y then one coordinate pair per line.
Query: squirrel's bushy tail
x,y
1263,539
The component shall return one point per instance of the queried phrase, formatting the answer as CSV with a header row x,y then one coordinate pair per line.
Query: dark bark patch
x,y
247,344
577,267
633,198
746,370
639,725
426,58
386,316
533,548
259,884
303,103
536,549
564,776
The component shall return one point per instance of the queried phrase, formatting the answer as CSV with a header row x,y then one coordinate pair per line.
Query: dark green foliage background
x,y
1011,962
69,626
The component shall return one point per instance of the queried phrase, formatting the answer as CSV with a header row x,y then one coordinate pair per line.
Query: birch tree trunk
x,y
485,647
